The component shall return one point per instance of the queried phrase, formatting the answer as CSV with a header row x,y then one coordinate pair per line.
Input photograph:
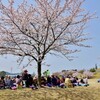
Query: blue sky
x,y
87,58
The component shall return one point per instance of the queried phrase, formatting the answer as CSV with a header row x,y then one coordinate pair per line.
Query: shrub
x,y
88,74
92,70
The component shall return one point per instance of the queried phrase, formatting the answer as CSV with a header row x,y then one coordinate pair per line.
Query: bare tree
x,y
35,28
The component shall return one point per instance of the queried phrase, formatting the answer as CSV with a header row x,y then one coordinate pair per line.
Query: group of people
x,y
26,80
71,81
19,81
63,82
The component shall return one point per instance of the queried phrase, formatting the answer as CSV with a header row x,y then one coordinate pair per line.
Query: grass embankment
x,y
92,92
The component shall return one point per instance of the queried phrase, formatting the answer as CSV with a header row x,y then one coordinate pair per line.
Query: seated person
x,y
2,83
82,83
68,82
18,81
43,81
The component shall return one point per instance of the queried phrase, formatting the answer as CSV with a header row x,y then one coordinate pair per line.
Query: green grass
x,y
92,92
97,75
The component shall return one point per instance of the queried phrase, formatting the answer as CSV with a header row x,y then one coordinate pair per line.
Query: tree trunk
x,y
39,73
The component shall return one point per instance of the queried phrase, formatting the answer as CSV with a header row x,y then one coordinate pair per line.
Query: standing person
x,y
25,78
47,73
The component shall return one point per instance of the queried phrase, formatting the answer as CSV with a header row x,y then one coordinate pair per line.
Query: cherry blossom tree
x,y
35,28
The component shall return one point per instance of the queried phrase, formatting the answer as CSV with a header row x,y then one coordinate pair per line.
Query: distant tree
x,y
57,73
92,70
75,70
88,74
77,74
34,29
96,67
81,71
2,73
63,71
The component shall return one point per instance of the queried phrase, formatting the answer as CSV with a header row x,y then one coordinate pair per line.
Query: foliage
x,y
77,74
57,74
44,26
2,73
81,71
92,70
96,67
88,74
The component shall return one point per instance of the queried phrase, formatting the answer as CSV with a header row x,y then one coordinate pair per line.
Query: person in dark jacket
x,y
25,79
2,82
30,80
54,80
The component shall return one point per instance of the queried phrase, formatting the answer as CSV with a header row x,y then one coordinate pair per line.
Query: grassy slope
x,y
91,92
97,73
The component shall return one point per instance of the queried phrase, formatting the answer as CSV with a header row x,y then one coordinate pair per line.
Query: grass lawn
x,y
92,92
